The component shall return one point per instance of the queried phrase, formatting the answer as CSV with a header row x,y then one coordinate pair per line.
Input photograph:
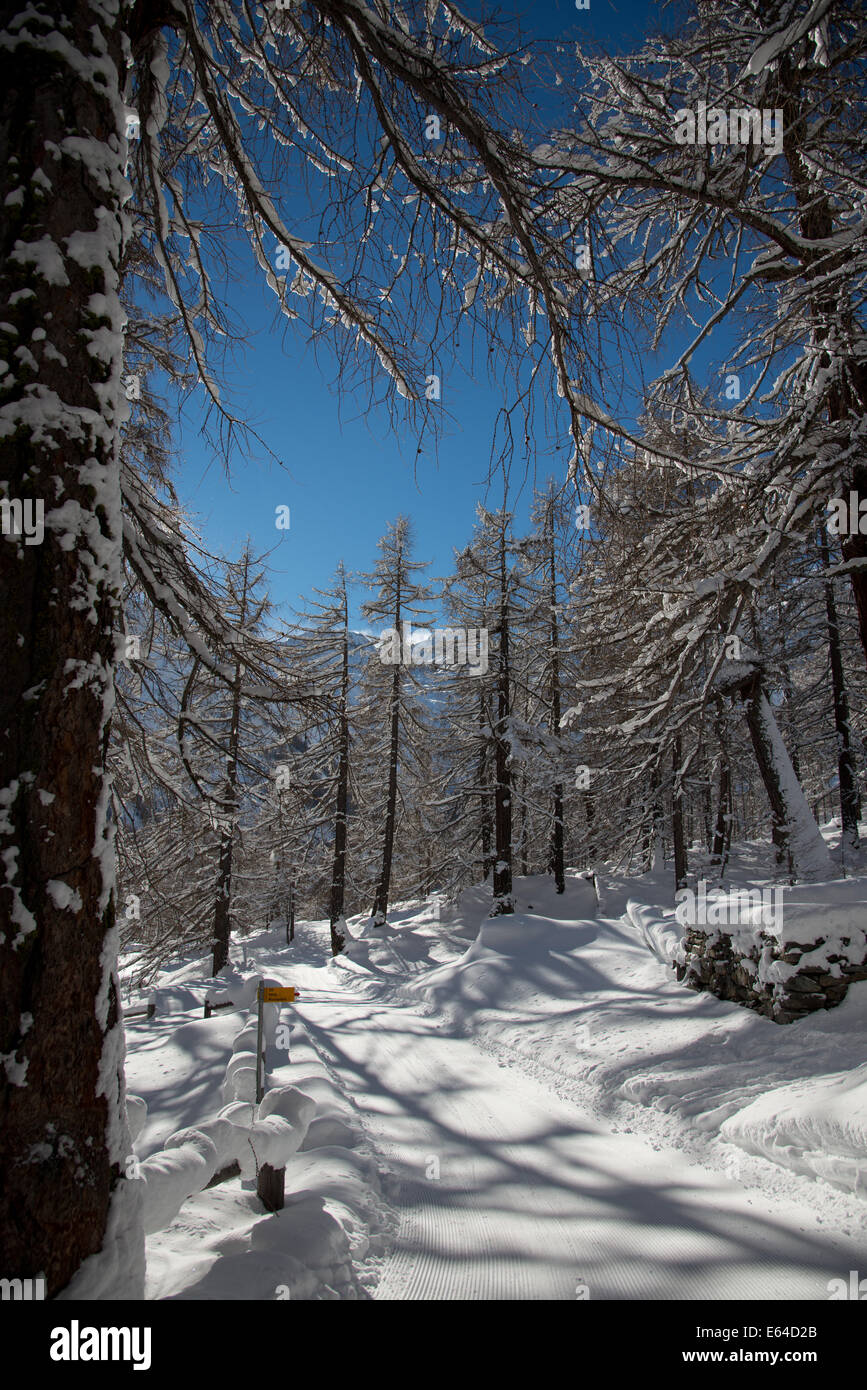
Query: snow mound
x,y
290,1103
224,1134
270,1140
192,1156
136,1115
661,933
170,1177
240,1082
816,1127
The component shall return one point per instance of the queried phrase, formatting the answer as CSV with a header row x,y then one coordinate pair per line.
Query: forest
x,y
641,673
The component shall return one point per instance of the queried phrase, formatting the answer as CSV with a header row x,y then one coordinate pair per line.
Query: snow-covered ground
x,y
523,1107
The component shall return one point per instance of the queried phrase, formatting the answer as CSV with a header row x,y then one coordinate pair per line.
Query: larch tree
x,y
143,122
720,175
547,638
324,646
397,599
489,564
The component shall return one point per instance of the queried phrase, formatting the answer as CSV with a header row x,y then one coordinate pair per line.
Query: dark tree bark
x,y
722,837
854,547
558,863
223,903
589,816
228,828
791,726
677,835
850,801
652,838
380,902
379,913
794,829
62,1111
707,815
398,598
338,867
523,833
486,826
502,885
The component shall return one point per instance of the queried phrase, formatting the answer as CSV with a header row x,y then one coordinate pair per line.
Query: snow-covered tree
x,y
547,669
399,600
486,595
205,107
719,174
324,646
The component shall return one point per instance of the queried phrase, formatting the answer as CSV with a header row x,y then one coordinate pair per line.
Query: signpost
x,y
270,1181
268,994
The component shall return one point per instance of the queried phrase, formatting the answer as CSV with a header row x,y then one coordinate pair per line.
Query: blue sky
x,y
347,473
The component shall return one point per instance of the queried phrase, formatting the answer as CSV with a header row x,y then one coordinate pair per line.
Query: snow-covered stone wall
x,y
804,960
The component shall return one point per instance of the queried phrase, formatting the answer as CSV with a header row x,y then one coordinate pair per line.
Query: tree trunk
x,y
707,816
558,864
657,856
652,838
850,801
503,903
677,835
63,1193
589,816
523,834
796,831
791,726
486,828
338,868
380,905
223,904
854,547
722,837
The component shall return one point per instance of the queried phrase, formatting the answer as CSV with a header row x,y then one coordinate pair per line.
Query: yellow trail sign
x,y
272,995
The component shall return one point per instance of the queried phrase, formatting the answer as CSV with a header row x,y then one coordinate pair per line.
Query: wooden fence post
x,y
270,1185
211,1009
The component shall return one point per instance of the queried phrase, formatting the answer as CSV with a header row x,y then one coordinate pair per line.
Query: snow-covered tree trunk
x,y
850,801
485,826
338,868
796,826
558,861
228,830
379,914
230,807
589,816
678,837
62,152
502,883
652,854
722,835
397,599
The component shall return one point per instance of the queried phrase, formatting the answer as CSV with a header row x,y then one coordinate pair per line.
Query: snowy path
x,y
534,1198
